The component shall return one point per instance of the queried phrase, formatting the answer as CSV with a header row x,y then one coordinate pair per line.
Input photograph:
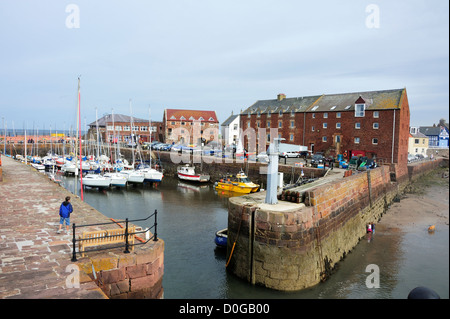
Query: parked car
x,y
317,159
289,154
411,158
262,157
420,157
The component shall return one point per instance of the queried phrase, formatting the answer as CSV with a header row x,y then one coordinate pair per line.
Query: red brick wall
x,y
304,135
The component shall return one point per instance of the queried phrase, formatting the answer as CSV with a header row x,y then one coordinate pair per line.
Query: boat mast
x,y
79,136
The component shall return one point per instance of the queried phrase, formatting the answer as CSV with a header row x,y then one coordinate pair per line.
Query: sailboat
x,y
117,179
151,174
95,179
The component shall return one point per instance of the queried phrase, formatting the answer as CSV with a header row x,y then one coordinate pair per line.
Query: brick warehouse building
x,y
117,127
374,124
190,126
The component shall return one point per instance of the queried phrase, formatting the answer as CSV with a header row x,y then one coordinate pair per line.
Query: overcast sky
x,y
215,55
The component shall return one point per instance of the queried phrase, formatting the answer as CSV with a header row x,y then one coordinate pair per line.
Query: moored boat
x,y
96,180
117,179
237,184
187,173
221,238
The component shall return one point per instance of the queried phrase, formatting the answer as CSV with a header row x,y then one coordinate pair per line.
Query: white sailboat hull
x,y
96,180
134,176
117,179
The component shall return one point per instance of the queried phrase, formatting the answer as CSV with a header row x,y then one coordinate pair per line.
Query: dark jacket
x,y
65,209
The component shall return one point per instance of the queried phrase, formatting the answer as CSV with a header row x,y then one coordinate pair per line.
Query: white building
x,y
230,130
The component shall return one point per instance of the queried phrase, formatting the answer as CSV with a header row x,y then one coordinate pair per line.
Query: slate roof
x,y
430,130
374,100
229,120
108,118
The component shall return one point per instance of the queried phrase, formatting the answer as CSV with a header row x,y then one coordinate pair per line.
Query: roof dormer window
x,y
359,110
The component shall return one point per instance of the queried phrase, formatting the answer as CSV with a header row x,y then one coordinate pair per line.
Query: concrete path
x,y
33,257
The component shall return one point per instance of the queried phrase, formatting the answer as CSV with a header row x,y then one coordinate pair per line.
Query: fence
x,y
127,245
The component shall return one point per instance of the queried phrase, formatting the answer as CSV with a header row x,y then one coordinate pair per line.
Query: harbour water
x,y
189,215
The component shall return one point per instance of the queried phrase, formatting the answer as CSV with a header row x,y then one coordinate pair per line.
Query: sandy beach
x,y
426,203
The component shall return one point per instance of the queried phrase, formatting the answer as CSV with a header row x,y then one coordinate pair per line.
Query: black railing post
x,y
156,227
126,237
74,253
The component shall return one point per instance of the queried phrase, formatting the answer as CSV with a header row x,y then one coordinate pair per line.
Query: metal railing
x,y
127,245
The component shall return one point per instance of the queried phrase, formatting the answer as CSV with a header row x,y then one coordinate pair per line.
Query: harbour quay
x,y
37,263
293,246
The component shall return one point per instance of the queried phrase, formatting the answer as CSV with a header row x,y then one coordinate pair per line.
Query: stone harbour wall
x,y
137,275
294,246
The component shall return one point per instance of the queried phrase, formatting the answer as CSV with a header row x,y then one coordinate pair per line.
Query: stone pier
x,y
35,261
292,246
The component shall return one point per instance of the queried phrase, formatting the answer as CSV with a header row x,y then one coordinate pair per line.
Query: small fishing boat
x,y
237,184
96,180
221,238
187,173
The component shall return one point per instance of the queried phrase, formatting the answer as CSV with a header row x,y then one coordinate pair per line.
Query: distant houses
x,y
438,135
418,142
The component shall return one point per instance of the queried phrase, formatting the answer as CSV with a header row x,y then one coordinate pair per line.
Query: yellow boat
x,y
237,184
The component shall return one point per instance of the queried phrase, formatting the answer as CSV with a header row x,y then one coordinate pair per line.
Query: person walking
x,y
64,214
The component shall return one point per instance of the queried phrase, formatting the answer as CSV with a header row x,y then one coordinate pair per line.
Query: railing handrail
x,y
154,237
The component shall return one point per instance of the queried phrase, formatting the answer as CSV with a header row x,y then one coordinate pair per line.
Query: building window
x,y
312,128
358,125
356,140
325,115
324,138
173,123
258,124
376,126
248,124
268,123
338,115
280,113
325,125
280,124
359,110
376,114
314,115
258,114
292,113
291,137
235,127
338,125
292,124
375,141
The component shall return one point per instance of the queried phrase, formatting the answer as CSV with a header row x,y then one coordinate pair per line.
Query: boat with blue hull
x,y
221,238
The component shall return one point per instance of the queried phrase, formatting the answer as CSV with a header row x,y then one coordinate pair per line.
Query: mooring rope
x,y
237,236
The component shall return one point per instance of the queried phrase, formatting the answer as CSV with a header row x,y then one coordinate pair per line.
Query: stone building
x,y
373,124
190,126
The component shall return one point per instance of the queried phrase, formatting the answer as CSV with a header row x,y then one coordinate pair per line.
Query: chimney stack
x,y
281,96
